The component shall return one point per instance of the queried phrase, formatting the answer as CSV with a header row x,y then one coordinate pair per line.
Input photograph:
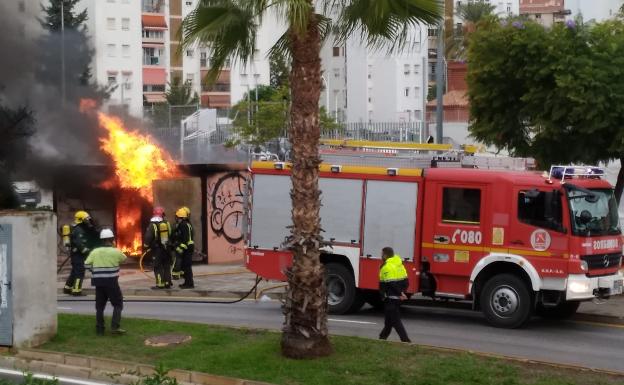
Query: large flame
x,y
138,161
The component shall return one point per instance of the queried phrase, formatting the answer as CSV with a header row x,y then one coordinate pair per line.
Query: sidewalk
x,y
234,281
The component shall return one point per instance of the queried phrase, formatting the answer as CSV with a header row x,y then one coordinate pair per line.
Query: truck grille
x,y
602,261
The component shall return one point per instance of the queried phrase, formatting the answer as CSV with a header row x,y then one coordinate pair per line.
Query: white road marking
x,y
48,377
351,321
63,308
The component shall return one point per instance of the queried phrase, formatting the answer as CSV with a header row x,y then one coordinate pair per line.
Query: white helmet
x,y
106,234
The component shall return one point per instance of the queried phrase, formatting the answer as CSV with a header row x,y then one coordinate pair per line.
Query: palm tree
x,y
229,27
470,13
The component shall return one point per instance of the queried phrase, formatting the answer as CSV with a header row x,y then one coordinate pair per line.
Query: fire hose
x,y
258,280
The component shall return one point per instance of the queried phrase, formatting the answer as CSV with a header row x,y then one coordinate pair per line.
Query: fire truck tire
x,y
561,311
342,295
506,301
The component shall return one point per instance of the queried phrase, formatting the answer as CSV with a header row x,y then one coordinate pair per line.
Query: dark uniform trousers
x,y
392,313
187,265
162,266
103,294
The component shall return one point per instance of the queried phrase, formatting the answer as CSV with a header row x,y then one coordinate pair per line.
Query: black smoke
x,y
30,77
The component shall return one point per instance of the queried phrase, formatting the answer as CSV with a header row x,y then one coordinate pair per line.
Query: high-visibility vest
x,y
392,270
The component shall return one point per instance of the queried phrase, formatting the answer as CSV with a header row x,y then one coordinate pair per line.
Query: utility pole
x,y
440,85
63,92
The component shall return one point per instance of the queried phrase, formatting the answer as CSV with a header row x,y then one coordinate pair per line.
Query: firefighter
x,y
176,270
184,246
156,242
104,263
392,285
81,243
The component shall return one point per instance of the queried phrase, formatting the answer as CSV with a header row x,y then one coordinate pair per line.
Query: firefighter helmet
x,y
158,211
182,213
188,211
106,234
81,216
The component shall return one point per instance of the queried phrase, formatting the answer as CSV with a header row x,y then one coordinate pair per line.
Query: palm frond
x,y
475,11
384,23
228,27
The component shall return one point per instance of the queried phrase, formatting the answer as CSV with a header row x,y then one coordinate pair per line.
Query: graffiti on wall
x,y
225,216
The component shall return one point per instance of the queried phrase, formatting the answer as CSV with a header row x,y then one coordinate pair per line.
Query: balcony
x,y
153,60
219,87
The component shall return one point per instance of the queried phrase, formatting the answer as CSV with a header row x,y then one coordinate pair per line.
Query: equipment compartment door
x,y
458,237
6,295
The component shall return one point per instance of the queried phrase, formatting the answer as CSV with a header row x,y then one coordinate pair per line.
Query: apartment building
x,y
545,12
364,85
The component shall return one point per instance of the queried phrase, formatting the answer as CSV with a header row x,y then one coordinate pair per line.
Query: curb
x,y
173,293
103,369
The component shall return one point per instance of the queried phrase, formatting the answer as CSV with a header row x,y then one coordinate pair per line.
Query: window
x,y
110,49
203,61
190,78
153,88
112,79
336,72
189,53
416,68
461,205
406,69
370,71
538,16
127,81
336,51
110,23
407,91
125,50
540,209
152,34
125,24
189,3
417,114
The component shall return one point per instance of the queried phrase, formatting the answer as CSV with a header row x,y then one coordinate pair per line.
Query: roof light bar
x,y
568,172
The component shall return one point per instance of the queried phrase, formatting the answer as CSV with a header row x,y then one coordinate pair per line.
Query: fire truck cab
x,y
514,243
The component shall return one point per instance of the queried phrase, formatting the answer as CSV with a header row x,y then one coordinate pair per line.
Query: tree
x,y
229,27
77,50
554,94
16,126
179,96
280,69
470,13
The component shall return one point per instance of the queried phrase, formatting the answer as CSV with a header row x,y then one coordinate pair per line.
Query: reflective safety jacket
x,y
183,237
393,278
151,238
104,265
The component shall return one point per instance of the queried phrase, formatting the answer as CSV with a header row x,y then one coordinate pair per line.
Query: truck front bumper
x,y
581,287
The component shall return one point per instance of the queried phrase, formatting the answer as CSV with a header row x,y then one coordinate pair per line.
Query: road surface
x,y
566,342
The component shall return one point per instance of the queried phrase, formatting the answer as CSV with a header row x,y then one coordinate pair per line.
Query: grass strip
x,y
255,355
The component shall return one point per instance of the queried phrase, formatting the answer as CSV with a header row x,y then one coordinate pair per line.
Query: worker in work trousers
x,y
392,285
81,243
156,242
176,265
104,264
184,246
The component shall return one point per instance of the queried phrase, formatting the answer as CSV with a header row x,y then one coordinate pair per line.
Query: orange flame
x,y
138,161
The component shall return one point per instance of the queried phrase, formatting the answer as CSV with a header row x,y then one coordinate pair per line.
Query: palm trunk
x,y
305,332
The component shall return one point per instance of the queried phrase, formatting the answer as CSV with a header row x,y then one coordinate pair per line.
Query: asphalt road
x,y
568,342
17,377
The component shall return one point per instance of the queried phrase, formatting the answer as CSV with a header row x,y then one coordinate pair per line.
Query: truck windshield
x,y
594,212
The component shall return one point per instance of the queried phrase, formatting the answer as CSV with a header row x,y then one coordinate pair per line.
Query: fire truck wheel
x,y
561,311
342,295
505,301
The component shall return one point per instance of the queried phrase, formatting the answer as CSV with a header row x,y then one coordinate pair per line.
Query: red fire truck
x,y
514,243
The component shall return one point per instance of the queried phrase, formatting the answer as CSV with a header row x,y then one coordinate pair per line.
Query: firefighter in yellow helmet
x,y
176,266
184,246
82,237
156,242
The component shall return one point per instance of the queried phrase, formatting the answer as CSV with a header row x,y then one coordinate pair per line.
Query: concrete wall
x,y
175,193
225,216
34,251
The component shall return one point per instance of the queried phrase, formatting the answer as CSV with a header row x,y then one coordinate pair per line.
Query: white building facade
x,y
114,27
365,85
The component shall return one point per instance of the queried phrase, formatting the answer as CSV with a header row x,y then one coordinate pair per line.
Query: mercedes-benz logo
x,y
605,261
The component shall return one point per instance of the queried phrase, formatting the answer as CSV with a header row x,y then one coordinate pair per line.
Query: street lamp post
x,y
326,93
